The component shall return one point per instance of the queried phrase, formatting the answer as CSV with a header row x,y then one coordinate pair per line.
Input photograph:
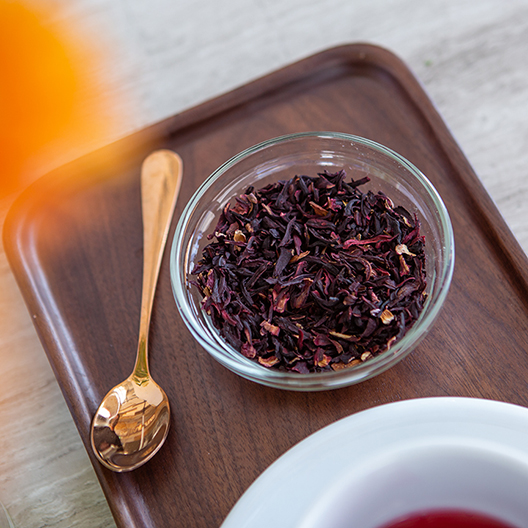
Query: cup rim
x,y
320,380
443,452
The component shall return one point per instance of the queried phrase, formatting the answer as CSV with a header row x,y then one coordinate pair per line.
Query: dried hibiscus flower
x,y
312,274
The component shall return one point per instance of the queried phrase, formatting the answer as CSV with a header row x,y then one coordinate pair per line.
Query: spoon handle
x,y
161,175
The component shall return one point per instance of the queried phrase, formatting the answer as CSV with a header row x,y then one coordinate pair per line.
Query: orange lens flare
x,y
48,90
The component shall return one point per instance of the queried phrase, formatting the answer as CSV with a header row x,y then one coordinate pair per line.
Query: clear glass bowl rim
x,y
322,380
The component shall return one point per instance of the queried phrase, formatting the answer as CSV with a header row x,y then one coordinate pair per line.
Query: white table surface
x,y
164,56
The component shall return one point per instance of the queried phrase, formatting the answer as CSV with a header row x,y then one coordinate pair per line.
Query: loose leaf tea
x,y
312,274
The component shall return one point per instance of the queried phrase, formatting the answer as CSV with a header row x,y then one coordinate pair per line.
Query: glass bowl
x,y
280,159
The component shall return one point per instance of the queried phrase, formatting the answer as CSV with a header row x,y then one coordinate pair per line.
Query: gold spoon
x,y
132,421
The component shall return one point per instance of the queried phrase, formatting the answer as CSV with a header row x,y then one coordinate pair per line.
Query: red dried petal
x,y
272,329
248,350
268,362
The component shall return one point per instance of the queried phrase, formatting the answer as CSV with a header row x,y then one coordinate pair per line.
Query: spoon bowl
x,y
132,422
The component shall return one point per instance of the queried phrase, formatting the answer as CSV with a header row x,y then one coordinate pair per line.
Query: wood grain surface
x,y
74,242
163,57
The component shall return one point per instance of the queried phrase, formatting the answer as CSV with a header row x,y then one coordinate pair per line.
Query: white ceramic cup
x,y
474,476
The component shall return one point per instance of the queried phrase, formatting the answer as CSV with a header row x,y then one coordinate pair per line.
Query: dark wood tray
x,y
74,241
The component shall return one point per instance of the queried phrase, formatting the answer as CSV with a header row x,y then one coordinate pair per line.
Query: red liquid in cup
x,y
446,519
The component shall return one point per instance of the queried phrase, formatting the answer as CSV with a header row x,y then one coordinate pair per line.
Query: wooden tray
x,y
74,241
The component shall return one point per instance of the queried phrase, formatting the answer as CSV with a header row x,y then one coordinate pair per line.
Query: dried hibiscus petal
x,y
312,274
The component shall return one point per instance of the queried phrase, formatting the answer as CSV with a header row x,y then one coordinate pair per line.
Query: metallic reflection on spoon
x,y
132,421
